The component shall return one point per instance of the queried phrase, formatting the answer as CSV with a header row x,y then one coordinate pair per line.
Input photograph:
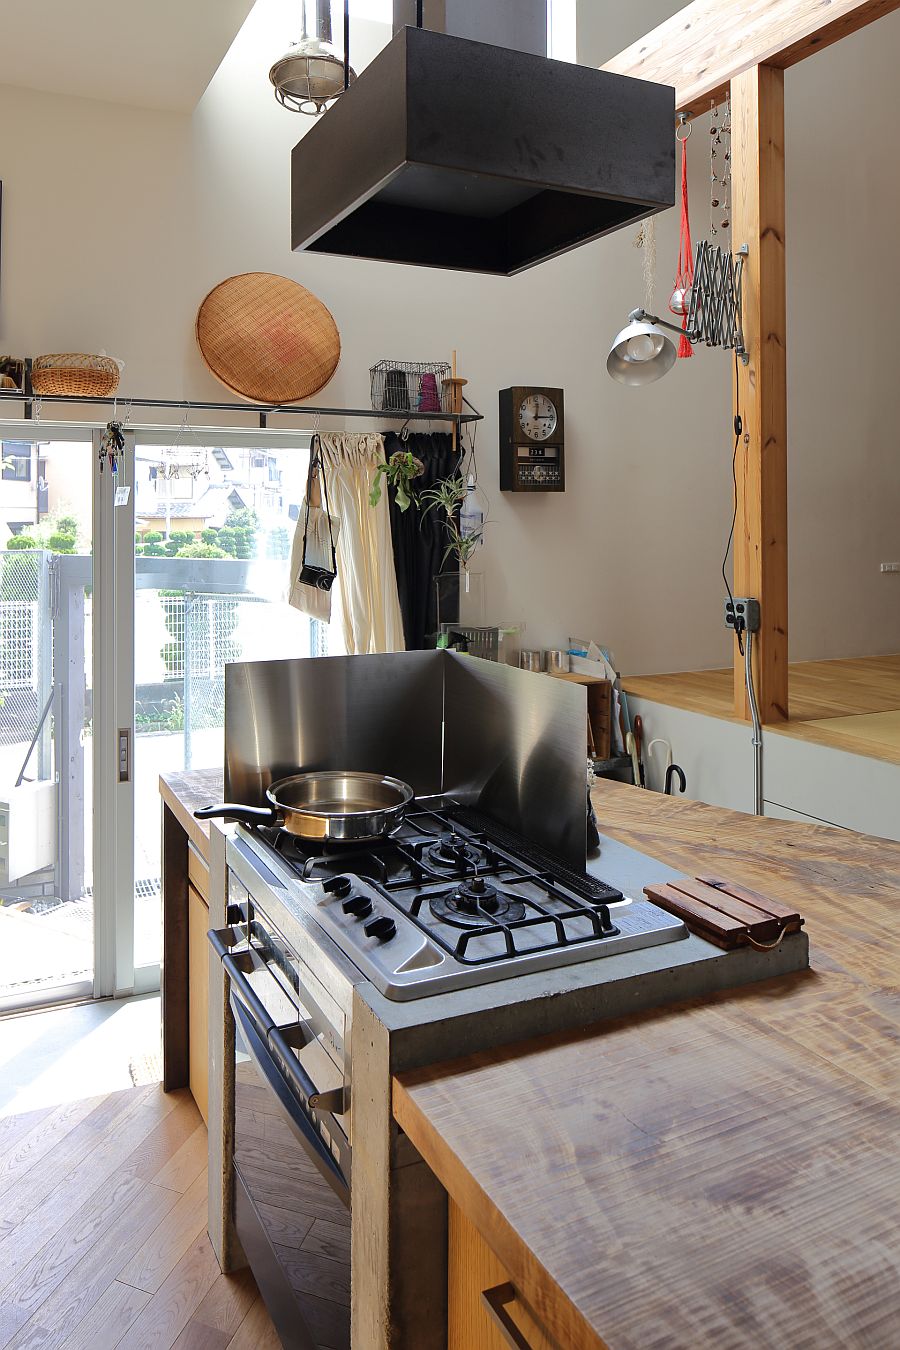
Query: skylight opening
x,y
561,30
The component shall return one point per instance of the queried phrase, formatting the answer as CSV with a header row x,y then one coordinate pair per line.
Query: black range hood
x,y
458,154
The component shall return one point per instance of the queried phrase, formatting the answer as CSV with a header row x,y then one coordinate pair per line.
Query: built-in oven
x,y
292,1157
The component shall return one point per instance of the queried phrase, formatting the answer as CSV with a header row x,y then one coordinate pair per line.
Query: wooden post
x,y
760,540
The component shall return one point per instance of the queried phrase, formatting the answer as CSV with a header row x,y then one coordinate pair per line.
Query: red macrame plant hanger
x,y
680,299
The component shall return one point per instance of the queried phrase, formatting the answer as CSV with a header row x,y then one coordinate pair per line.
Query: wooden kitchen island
x,y
722,1172
717,1173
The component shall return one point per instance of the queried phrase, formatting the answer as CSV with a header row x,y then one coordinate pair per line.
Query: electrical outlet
x,y
890,567
743,610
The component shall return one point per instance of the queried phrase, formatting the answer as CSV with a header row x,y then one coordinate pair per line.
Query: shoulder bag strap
x,y
317,468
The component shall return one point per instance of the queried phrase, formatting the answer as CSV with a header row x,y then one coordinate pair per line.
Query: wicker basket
x,y
267,338
75,375
7,382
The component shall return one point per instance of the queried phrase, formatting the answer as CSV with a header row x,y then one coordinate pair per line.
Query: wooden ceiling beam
x,y
703,47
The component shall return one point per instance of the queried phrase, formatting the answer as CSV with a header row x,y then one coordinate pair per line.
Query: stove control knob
x,y
358,905
381,927
338,886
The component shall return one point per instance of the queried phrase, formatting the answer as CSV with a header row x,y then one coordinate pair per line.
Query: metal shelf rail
x,y
264,411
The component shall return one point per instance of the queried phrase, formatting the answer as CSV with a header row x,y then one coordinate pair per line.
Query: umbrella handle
x,y
659,740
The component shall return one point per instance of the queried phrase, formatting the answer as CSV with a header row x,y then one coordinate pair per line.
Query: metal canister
x,y
556,661
530,660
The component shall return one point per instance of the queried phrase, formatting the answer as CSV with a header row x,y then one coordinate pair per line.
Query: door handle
x,y
333,1101
245,994
280,1040
496,1302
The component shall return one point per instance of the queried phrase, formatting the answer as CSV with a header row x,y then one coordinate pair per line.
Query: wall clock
x,y
532,439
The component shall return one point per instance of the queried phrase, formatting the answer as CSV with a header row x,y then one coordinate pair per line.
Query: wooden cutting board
x,y
725,913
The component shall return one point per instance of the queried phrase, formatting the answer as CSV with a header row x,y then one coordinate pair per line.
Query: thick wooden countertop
x,y
724,1173
186,792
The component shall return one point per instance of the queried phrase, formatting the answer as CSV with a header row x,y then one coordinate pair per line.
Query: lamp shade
x,y
640,354
309,76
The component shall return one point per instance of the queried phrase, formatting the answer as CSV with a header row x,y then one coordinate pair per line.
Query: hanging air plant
x,y
448,496
400,470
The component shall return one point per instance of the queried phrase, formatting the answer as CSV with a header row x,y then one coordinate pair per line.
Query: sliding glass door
x,y
122,598
66,718
46,718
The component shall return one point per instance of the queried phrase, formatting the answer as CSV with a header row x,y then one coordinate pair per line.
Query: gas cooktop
x,y
454,899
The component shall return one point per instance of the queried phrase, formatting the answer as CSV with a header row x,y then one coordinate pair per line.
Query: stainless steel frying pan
x,y
330,805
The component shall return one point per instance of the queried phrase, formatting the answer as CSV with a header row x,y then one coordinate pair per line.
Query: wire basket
x,y
410,386
75,375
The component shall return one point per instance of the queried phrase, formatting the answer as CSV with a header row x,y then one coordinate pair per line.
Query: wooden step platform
x,y
851,704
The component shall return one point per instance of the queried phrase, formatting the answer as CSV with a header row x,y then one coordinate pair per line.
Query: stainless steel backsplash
x,y
505,741
378,714
515,747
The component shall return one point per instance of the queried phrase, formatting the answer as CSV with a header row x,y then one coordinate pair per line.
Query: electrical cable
x,y
745,649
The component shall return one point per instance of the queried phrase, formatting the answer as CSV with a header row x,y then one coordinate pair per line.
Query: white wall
x,y
843,202
97,234
117,222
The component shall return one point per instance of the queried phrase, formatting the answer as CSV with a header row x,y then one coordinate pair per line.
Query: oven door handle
x,y
299,1079
268,1031
248,998
223,941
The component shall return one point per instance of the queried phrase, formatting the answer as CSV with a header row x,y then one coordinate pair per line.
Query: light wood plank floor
x,y
831,702
103,1237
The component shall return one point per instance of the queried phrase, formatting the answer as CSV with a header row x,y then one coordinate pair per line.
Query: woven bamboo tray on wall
x,y
267,338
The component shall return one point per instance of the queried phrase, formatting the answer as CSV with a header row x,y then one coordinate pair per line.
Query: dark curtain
x,y
420,542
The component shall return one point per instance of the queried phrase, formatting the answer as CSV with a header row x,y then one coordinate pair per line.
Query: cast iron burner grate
x,y
450,868
590,888
475,904
318,861
454,852
541,928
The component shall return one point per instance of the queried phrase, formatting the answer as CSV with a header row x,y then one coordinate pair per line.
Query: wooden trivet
x,y
726,914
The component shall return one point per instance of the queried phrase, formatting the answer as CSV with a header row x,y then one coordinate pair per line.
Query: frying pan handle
x,y
248,815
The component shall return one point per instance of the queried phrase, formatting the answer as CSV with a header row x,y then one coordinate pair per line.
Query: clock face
x,y
538,417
